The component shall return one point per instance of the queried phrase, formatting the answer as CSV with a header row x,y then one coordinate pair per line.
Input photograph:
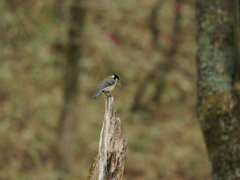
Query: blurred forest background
x,y
150,45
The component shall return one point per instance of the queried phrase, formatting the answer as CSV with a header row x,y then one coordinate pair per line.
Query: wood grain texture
x,y
109,163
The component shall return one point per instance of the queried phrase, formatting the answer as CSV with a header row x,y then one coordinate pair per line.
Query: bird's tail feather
x,y
97,93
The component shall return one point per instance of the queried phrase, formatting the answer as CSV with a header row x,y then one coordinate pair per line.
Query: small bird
x,y
107,85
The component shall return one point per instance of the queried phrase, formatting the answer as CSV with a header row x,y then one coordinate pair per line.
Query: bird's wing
x,y
106,82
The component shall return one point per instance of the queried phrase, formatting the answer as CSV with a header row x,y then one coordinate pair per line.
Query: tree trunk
x,y
217,107
237,39
109,163
68,116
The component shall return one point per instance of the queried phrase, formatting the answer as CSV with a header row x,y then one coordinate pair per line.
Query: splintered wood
x,y
109,163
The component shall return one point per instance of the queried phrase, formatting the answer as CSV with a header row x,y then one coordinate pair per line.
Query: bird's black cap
x,y
115,76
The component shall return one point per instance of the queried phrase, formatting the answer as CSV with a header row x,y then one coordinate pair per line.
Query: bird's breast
x,y
110,88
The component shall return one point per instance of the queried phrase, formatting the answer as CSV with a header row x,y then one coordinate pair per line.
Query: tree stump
x,y
109,163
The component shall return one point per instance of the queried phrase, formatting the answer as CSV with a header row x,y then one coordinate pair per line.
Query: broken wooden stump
x,y
109,163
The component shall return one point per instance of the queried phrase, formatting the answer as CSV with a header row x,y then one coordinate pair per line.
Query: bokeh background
x,y
150,45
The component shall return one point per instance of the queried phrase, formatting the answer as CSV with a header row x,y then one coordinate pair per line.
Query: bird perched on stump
x,y
107,85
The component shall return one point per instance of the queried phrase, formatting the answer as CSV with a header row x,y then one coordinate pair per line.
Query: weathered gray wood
x,y
109,163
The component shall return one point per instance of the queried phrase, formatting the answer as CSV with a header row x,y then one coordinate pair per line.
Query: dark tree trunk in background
x,y
68,117
161,69
217,109
164,68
